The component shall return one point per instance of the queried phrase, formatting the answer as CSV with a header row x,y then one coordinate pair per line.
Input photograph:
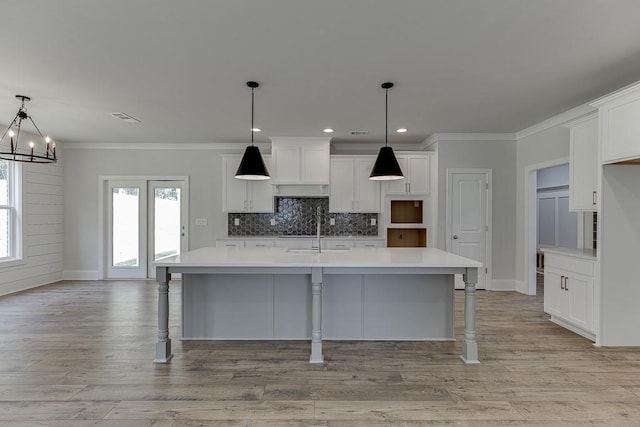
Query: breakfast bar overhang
x,y
272,283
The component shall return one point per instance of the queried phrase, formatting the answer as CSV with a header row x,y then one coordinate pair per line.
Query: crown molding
x,y
161,146
632,88
557,120
470,137
581,119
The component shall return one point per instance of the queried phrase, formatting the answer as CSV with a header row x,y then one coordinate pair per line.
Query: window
x,y
10,233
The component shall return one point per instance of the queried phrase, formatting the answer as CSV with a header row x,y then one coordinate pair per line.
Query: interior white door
x,y
167,222
127,231
468,218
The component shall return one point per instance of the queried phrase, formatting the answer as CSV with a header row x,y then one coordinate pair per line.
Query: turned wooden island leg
x,y
163,346
470,345
316,316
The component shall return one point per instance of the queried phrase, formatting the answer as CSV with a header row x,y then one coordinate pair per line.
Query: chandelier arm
x,y
36,126
6,131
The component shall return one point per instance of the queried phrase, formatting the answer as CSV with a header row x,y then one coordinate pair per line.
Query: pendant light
x,y
252,165
386,167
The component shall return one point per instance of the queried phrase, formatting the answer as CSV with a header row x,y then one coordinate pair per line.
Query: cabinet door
x,y
583,166
367,192
621,128
419,168
260,193
286,164
315,166
579,302
341,198
554,293
399,186
234,191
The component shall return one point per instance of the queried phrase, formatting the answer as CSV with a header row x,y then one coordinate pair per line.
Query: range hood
x,y
300,166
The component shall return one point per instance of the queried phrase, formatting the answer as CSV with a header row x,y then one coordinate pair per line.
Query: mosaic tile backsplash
x,y
296,216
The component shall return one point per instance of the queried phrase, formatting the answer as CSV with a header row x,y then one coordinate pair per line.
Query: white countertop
x,y
281,257
589,254
300,237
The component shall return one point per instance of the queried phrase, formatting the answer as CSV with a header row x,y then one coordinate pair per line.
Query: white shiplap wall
x,y
43,219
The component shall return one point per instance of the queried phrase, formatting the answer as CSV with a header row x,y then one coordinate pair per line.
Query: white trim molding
x,y
239,146
471,137
557,120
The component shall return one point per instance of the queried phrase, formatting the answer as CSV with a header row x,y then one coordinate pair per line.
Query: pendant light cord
x,y
386,116
252,117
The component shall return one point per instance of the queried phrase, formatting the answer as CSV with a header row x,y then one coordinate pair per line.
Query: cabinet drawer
x,y
229,243
258,243
569,263
337,244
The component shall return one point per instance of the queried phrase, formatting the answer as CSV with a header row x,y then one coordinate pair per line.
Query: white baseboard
x,y
29,283
80,275
521,287
503,285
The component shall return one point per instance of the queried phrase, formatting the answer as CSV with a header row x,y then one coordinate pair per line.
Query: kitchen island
x,y
276,293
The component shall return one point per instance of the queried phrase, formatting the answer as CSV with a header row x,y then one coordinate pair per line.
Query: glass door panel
x,y
167,210
127,231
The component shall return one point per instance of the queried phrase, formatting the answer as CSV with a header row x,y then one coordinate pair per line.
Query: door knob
x,y
455,237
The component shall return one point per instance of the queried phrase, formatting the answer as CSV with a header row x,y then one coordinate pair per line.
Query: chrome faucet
x,y
318,221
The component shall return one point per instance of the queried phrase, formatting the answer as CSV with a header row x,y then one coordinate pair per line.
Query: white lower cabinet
x,y
568,292
377,243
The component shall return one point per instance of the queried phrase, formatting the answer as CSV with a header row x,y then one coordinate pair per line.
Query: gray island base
x,y
361,294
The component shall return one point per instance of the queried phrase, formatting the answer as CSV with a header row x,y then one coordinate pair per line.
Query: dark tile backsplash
x,y
296,216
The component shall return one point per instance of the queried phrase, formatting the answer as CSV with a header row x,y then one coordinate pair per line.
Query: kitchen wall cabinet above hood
x,y
300,162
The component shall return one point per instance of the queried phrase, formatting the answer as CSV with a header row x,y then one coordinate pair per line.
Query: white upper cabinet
x,y
241,195
300,160
351,189
416,168
620,125
584,164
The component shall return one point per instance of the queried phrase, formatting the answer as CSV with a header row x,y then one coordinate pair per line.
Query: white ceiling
x,y
181,66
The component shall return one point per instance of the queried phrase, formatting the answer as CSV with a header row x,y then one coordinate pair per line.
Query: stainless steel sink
x,y
316,251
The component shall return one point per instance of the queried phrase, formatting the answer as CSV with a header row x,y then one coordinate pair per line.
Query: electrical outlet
x,y
201,221
236,221
332,221
273,221
373,221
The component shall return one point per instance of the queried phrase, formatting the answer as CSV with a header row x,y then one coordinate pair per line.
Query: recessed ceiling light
x,y
256,130
402,130
327,130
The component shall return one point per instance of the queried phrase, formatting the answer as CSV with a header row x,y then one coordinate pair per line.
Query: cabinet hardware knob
x,y
455,237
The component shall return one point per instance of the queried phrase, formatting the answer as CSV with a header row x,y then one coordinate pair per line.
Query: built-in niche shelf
x,y
406,237
406,211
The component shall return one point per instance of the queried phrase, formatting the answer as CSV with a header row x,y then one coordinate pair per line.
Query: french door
x,y
146,223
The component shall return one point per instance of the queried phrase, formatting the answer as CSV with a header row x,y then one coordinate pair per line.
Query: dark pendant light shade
x,y
386,167
252,166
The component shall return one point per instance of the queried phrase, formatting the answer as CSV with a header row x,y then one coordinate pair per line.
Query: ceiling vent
x,y
125,117
359,132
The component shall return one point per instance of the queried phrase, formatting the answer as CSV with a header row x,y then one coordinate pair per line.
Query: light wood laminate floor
x,y
79,354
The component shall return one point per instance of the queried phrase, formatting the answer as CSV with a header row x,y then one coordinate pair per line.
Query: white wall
x,y
555,176
500,156
84,166
43,222
539,148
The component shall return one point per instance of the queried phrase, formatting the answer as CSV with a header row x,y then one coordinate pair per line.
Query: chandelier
x,y
13,148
